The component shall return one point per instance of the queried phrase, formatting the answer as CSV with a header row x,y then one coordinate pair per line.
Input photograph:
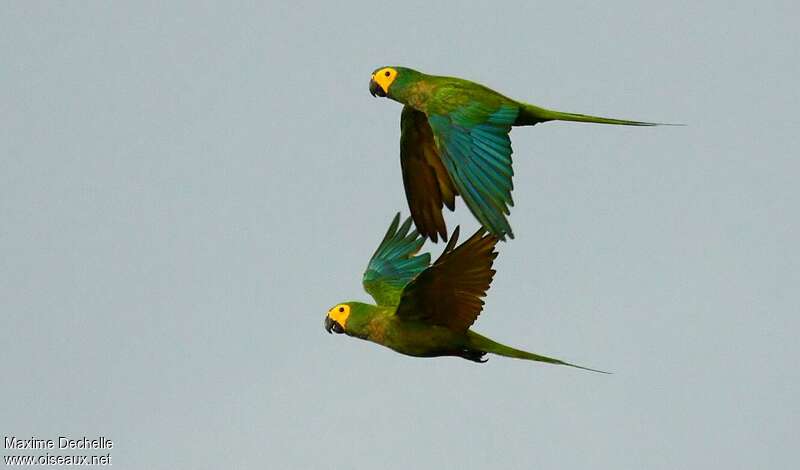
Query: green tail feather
x,y
530,115
485,344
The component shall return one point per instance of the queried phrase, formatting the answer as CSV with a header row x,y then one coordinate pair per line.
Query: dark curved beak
x,y
375,89
332,325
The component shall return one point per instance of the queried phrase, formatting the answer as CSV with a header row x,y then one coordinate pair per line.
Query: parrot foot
x,y
474,355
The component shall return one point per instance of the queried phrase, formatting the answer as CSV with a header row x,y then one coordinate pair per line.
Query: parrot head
x,y
336,319
350,318
381,80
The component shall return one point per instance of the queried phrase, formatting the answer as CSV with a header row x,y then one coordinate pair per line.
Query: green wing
x,y
427,184
394,263
471,129
449,293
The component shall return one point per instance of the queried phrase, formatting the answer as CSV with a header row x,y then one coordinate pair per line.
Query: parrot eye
x,y
387,73
341,309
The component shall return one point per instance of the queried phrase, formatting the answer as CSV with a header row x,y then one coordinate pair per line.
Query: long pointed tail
x,y
530,115
487,345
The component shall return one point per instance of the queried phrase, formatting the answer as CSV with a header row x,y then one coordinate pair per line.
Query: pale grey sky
x,y
186,189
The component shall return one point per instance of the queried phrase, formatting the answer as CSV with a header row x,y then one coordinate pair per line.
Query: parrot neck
x,y
367,321
414,89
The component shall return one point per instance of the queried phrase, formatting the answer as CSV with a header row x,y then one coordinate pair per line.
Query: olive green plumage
x,y
424,309
454,141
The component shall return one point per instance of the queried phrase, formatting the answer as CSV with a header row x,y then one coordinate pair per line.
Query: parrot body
x,y
424,309
455,141
413,338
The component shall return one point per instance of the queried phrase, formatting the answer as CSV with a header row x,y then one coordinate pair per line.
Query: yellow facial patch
x,y
339,314
385,77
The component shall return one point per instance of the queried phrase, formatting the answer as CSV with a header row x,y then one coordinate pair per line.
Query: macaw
x,y
423,309
454,141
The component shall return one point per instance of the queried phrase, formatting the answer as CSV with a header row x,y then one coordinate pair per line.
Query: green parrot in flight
x,y
454,141
424,309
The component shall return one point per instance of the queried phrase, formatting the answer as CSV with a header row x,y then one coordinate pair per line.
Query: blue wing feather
x,y
395,263
476,151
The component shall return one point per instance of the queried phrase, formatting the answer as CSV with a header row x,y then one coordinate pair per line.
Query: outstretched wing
x,y
394,263
472,138
449,292
427,184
